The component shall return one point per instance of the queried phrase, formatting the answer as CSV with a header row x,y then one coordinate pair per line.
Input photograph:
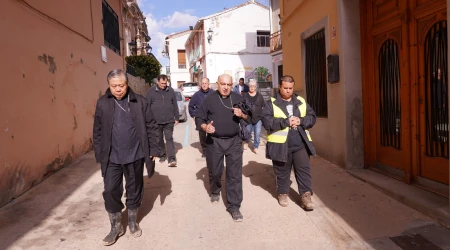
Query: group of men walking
x,y
129,130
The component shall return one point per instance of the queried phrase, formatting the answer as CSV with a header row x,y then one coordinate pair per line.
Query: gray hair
x,y
253,81
117,73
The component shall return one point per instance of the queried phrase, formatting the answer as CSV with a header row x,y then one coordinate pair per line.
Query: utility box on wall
x,y
333,68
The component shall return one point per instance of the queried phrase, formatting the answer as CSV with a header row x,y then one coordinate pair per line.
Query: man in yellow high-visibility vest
x,y
287,118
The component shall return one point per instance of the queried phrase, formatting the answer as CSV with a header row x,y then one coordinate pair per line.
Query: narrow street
x,y
66,211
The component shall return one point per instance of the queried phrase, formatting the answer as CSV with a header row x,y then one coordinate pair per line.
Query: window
x,y
181,59
315,73
263,38
178,96
110,28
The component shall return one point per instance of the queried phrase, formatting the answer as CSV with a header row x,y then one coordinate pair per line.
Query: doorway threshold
x,y
426,202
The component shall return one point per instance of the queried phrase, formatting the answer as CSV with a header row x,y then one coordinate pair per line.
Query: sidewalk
x,y
66,212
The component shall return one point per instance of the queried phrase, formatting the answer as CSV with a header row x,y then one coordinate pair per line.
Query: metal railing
x,y
275,41
167,70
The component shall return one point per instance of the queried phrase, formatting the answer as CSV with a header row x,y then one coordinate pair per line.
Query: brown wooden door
x,y
387,86
429,29
405,84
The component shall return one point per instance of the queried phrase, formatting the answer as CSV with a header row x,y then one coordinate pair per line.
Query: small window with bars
x,y
263,38
181,59
315,73
110,28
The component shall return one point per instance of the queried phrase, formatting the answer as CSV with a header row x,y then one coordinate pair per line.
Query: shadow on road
x,y
198,146
261,175
203,175
157,186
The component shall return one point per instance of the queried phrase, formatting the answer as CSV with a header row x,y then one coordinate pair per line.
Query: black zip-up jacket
x,y
197,100
257,106
146,128
163,104
279,151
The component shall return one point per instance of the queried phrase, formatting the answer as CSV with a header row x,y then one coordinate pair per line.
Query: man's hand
x,y
176,123
209,128
238,112
152,158
294,122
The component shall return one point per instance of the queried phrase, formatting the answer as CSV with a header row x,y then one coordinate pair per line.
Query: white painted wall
x,y
234,45
177,74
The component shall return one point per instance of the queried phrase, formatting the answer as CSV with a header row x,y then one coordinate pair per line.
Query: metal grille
x,y
389,99
315,72
110,28
436,98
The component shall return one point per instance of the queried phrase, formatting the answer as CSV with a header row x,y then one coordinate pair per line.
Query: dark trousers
x,y
202,135
300,161
215,151
134,184
166,132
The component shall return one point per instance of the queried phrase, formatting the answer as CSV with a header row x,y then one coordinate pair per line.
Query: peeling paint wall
x,y
54,75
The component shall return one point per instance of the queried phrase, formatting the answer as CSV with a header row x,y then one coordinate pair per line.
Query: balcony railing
x,y
167,70
181,66
275,41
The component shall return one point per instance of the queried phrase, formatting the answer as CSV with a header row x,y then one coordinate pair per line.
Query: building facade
x,y
234,41
52,85
135,29
176,52
276,47
376,73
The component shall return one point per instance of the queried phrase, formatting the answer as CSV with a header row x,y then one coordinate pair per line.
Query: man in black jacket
x,y
218,118
195,103
125,137
287,118
163,103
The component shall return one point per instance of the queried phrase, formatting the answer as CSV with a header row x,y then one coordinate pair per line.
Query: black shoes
x,y
236,215
162,159
172,163
215,198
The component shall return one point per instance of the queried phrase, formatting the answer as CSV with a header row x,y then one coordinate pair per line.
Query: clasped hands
x,y
294,122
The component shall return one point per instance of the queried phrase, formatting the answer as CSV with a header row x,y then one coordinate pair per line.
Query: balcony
x,y
181,66
275,42
167,70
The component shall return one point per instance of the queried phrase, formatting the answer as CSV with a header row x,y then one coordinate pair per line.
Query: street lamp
x,y
210,33
165,54
133,47
148,48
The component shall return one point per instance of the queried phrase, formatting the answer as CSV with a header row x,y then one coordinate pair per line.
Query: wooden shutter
x,y
181,57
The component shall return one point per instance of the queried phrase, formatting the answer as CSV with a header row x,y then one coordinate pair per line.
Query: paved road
x,y
66,211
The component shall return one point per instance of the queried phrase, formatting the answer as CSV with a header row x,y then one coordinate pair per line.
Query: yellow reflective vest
x,y
280,136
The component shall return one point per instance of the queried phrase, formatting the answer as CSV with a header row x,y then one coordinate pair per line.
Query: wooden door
x,y
429,26
405,83
387,86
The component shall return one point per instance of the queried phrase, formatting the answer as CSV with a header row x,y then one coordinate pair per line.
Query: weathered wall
x,y
52,77
338,137
138,85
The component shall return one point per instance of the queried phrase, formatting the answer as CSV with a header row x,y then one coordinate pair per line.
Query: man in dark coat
x,y
241,88
125,137
194,104
163,102
287,118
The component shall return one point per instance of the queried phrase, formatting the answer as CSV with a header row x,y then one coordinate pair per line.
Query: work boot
x,y
135,230
116,228
306,202
283,200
